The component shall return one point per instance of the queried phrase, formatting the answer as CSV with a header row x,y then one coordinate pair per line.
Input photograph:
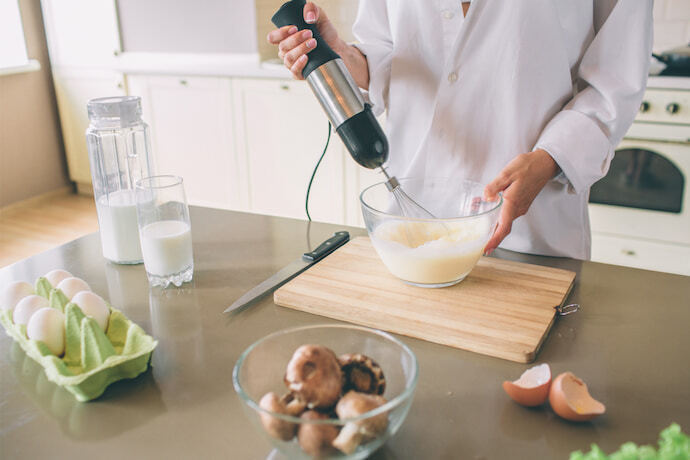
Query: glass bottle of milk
x,y
118,143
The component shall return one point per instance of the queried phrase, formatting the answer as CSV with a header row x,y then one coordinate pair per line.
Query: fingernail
x,y
310,18
292,30
302,58
311,43
306,34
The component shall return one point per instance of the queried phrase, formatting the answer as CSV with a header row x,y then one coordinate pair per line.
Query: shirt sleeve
x,y
611,79
372,30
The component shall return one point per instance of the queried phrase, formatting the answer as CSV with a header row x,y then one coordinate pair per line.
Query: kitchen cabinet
x,y
191,124
73,89
281,132
81,33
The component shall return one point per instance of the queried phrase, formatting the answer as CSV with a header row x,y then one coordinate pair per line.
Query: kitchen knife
x,y
291,270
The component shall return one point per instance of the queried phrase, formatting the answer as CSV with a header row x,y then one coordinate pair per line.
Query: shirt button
x,y
448,14
452,77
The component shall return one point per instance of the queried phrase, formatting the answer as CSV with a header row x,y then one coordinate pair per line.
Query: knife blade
x,y
291,270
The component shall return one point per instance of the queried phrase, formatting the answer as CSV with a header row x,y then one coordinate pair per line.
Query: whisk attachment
x,y
408,206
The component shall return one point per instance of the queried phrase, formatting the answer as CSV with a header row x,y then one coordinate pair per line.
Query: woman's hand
x,y
293,45
520,181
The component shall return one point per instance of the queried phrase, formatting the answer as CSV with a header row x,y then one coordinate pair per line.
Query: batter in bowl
x,y
428,253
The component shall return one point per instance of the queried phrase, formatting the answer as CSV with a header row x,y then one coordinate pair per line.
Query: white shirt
x,y
464,96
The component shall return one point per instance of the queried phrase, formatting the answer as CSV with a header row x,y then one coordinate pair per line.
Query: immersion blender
x,y
345,107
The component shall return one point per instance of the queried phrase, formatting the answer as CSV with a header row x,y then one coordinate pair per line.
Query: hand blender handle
x,y
292,13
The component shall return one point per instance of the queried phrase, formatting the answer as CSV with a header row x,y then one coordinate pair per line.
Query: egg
x,y
14,293
570,399
94,306
48,326
54,277
532,388
70,286
27,307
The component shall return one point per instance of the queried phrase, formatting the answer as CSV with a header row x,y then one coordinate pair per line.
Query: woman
x,y
530,97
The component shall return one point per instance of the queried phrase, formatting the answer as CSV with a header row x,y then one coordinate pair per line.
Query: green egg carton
x,y
93,359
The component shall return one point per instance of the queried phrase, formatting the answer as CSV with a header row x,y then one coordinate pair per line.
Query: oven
x,y
640,212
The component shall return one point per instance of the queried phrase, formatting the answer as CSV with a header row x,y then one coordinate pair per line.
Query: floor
x,y
35,227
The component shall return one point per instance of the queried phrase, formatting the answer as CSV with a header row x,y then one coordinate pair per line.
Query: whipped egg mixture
x,y
431,252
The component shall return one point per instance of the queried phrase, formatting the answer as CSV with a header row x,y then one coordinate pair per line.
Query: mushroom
x,y
354,404
316,439
362,374
288,405
313,374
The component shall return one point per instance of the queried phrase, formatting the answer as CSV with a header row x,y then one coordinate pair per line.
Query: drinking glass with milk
x,y
164,230
118,144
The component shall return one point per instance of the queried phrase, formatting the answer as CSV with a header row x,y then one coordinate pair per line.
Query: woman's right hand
x,y
294,45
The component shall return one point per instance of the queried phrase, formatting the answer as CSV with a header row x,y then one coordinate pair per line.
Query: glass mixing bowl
x,y
429,251
261,369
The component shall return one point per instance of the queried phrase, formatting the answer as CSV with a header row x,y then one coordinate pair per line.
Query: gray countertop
x,y
629,342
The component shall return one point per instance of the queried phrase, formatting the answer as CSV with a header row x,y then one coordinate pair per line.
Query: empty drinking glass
x,y
165,230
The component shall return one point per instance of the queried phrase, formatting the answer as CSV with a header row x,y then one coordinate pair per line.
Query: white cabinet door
x,y
81,33
281,132
73,90
191,135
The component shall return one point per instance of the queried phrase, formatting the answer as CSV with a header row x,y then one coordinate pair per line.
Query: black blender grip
x,y
292,13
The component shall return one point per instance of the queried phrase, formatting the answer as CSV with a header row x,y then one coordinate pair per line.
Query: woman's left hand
x,y
520,181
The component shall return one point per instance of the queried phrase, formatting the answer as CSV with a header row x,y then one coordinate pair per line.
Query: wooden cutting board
x,y
502,309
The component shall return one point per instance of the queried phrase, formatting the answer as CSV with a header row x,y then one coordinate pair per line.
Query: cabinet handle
x,y
285,87
628,252
116,53
120,85
183,82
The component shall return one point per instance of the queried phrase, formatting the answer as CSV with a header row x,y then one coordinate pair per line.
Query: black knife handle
x,y
292,13
328,246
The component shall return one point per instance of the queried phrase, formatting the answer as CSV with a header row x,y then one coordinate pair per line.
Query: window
x,y
13,49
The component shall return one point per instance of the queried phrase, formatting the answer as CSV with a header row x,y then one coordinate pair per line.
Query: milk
x,y
430,252
117,220
167,247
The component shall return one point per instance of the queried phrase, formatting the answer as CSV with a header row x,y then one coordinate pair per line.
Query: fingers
x,y
291,57
277,35
292,42
505,225
500,183
298,66
311,13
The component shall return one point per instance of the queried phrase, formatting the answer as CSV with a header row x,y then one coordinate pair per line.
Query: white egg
x,y
14,293
48,326
70,286
54,277
94,306
27,307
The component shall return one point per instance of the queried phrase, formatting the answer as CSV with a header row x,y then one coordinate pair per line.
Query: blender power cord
x,y
306,201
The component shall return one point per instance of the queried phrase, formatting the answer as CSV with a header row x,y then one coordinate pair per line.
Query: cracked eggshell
x,y
54,277
532,388
15,292
48,326
70,286
93,305
27,307
570,398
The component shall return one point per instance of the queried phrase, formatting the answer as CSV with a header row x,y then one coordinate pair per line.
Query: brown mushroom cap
x,y
316,440
354,404
362,374
280,429
313,374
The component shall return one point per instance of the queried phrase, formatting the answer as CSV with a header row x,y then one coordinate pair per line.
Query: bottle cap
x,y
125,109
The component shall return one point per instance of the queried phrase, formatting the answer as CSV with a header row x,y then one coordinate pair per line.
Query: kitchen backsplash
x,y
671,24
341,12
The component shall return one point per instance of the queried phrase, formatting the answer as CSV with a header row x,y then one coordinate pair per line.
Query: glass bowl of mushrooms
x,y
327,391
